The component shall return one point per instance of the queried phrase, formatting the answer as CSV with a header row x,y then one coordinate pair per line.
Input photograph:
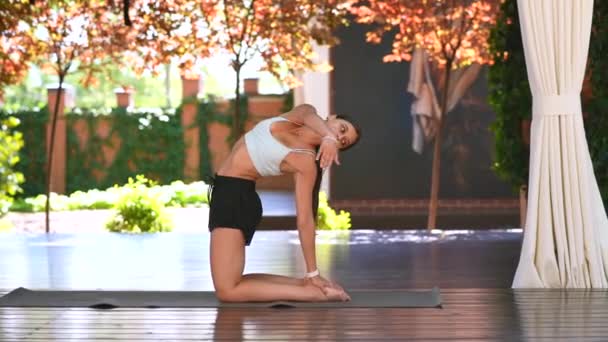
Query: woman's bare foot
x,y
334,294
328,294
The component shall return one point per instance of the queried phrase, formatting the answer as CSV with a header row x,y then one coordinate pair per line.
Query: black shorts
x,y
233,203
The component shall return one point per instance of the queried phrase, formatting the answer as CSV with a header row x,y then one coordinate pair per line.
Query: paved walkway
x,y
185,219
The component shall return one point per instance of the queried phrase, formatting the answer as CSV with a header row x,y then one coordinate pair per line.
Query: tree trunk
x,y
236,122
125,12
436,173
49,165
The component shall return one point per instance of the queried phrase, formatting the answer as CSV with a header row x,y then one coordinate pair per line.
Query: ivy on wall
x,y
596,106
510,97
206,110
151,143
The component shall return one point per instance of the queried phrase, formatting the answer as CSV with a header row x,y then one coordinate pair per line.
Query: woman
x,y
282,144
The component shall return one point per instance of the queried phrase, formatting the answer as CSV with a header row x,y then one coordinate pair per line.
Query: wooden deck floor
x,y
474,271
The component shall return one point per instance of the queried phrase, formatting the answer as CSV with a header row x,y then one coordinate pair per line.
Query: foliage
x,y
283,32
139,210
11,142
32,156
5,225
509,96
15,43
70,35
328,219
206,111
447,30
596,104
12,12
176,194
166,31
179,194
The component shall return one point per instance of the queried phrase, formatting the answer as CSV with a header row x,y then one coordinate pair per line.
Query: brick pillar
x,y
191,88
58,173
124,97
251,86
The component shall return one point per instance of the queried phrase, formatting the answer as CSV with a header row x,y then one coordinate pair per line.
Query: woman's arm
x,y
304,182
305,175
306,115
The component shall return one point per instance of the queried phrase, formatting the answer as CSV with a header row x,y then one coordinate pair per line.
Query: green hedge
x,y
596,108
32,156
510,97
11,141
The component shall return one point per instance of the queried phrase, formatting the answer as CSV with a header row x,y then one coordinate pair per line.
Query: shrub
x,y
327,219
177,194
5,225
10,143
139,210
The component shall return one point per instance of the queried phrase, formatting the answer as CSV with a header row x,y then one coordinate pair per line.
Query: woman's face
x,y
344,130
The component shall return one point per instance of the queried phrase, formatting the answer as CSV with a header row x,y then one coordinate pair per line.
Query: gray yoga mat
x,y
22,297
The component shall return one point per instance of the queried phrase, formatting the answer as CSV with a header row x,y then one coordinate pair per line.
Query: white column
x,y
315,91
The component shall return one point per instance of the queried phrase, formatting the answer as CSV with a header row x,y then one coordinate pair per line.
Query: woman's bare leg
x,y
278,279
227,264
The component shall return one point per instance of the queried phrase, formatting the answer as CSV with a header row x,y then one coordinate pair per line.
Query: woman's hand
x,y
325,285
328,152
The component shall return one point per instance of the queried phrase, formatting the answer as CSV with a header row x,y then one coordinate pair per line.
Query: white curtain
x,y
566,234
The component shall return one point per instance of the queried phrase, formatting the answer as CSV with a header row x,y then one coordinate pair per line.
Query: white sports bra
x,y
265,150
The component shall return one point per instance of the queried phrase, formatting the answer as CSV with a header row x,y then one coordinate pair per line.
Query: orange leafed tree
x,y
70,35
168,31
281,32
452,34
15,52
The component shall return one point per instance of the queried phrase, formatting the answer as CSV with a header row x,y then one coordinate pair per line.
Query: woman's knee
x,y
226,293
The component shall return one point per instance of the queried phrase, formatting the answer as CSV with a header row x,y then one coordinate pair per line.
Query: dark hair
x,y
317,186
